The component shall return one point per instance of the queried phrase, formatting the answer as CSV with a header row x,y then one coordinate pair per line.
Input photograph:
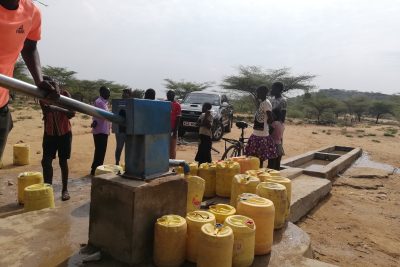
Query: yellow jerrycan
x,y
26,179
169,241
108,168
262,211
277,194
195,192
242,183
207,171
195,220
244,233
254,163
21,154
193,168
243,162
264,176
215,246
226,170
288,184
221,211
272,172
38,196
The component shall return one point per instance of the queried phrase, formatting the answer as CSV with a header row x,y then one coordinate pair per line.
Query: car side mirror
x,y
224,104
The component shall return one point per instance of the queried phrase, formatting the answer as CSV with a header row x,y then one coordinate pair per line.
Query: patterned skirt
x,y
262,147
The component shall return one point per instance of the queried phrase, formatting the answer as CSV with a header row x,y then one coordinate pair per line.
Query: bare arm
x,y
31,57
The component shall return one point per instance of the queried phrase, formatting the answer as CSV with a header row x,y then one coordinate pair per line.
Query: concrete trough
x,y
324,163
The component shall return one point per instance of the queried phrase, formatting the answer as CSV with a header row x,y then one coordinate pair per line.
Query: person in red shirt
x,y
20,29
57,137
175,120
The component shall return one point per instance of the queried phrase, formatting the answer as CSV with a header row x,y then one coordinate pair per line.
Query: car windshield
x,y
201,99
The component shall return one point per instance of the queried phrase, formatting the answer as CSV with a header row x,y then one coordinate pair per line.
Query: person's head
x,y
206,107
262,93
277,89
104,92
150,94
126,93
171,95
276,114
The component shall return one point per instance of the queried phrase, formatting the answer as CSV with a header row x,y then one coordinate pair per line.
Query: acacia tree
x,y
378,108
358,106
320,103
251,77
138,93
182,88
63,76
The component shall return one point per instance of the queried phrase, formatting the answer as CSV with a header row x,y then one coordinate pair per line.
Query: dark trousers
x,y
204,150
53,144
5,127
100,148
275,163
120,138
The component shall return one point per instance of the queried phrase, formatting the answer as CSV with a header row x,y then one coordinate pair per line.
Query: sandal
x,y
65,196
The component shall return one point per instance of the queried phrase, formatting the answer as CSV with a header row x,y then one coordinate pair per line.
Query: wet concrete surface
x,y
365,161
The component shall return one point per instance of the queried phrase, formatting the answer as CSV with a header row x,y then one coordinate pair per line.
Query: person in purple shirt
x,y
100,130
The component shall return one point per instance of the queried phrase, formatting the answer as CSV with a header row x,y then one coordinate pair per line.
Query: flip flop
x,y
65,196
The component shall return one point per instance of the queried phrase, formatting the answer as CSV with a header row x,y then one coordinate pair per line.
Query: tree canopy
x,y
250,77
182,88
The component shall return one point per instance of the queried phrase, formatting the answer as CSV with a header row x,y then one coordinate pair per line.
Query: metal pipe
x,y
66,102
182,163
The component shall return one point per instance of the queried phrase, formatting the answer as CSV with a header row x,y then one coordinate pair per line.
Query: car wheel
x,y
218,131
181,132
228,127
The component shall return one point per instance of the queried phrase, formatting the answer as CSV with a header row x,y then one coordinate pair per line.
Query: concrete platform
x,y
326,162
307,191
52,237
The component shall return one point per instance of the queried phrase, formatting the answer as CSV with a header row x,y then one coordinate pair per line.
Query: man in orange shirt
x,y
20,29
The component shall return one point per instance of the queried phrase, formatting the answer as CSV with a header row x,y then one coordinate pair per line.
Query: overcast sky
x,y
349,44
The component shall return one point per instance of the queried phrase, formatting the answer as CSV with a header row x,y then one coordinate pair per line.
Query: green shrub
x,y
388,134
349,135
376,141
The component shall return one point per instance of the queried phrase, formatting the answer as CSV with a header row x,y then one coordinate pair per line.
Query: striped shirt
x,y
56,123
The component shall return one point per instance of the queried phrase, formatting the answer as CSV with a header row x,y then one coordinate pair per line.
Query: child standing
x,y
260,144
277,134
205,122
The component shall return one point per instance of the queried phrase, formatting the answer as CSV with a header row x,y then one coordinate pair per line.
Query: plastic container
x,y
207,171
109,168
221,211
215,246
21,154
38,196
264,176
169,241
244,233
193,168
254,163
288,184
262,211
242,183
26,179
225,171
277,194
196,186
195,220
273,173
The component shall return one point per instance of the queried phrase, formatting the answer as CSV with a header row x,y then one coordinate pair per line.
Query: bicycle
x,y
237,146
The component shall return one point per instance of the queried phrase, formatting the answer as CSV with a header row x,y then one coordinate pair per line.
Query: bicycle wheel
x,y
231,151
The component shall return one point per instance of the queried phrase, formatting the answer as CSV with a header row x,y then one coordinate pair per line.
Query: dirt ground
x,y
357,225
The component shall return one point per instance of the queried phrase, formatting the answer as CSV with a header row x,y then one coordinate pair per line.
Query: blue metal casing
x,y
148,131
